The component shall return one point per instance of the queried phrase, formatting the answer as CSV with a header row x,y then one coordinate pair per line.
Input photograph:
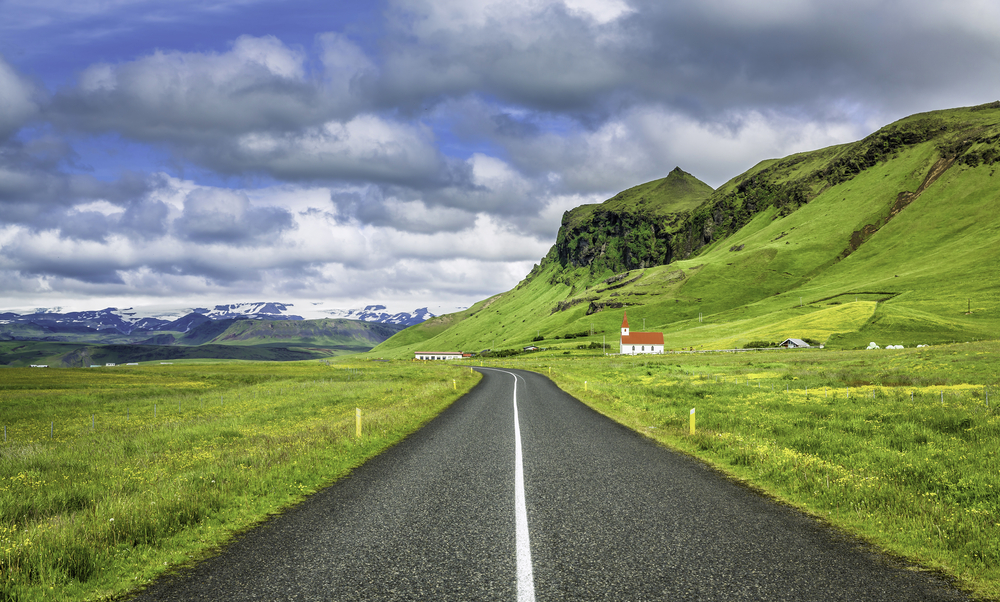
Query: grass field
x,y
111,476
899,447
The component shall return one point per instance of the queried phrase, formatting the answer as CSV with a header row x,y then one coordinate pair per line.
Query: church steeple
x,y
625,325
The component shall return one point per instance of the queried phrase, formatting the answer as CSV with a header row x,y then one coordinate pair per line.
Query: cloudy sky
x,y
412,152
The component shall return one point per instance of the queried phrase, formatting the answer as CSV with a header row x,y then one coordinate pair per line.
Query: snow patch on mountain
x,y
154,319
380,313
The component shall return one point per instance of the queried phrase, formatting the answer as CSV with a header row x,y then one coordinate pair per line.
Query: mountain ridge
x,y
128,321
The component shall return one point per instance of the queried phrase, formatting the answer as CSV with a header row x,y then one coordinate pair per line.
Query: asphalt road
x,y
609,516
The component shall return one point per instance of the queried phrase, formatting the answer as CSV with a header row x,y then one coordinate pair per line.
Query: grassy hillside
x,y
677,193
893,239
323,333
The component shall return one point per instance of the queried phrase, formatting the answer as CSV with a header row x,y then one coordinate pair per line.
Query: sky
x,y
414,153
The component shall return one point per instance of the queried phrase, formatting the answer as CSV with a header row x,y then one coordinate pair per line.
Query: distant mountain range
x,y
137,321
240,331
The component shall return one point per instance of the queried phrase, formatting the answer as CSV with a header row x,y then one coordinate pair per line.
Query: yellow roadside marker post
x,y
357,422
692,421
584,385
454,385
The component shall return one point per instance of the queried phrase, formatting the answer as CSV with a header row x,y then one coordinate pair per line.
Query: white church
x,y
635,343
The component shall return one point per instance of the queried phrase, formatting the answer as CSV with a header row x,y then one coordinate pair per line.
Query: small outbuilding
x,y
793,344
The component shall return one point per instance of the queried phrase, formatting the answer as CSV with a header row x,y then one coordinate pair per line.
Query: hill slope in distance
x,y
894,239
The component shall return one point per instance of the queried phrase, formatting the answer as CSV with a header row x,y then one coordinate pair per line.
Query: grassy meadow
x,y
111,476
898,447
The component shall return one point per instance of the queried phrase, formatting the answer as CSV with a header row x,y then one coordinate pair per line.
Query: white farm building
x,y
438,355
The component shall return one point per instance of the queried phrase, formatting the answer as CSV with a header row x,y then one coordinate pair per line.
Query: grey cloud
x,y
217,272
345,66
706,58
257,109
85,225
406,213
29,171
222,216
700,58
261,107
478,280
19,100
549,59
259,84
47,152
501,199
59,265
36,192
509,126
145,218
362,149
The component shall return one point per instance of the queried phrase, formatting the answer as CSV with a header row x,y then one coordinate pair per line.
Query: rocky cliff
x,y
631,230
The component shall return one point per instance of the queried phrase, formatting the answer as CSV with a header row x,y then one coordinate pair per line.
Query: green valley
x,y
242,339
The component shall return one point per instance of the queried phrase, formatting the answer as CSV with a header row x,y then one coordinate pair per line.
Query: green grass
x,y
109,477
898,447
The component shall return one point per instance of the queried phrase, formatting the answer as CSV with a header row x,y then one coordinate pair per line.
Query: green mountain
x,y
894,239
329,332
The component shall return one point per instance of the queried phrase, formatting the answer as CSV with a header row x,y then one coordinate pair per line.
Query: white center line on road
x,y
522,543
525,578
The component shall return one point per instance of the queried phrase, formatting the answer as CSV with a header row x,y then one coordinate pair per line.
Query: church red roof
x,y
625,320
643,338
